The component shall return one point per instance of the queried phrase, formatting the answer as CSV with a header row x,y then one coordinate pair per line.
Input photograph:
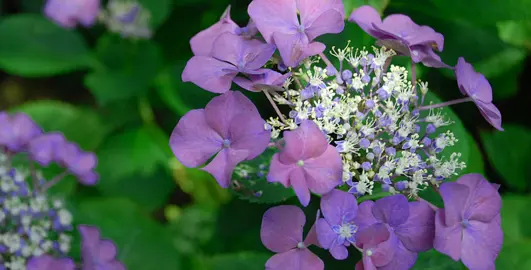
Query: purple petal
x,y
203,41
247,55
291,47
329,22
296,259
312,10
491,113
426,55
365,218
298,180
339,252
209,73
274,16
221,110
402,259
247,132
311,237
193,141
393,210
455,196
447,238
44,148
69,13
484,202
282,228
419,230
425,35
17,131
481,245
324,172
366,17
269,77
88,13
326,236
222,166
47,262
305,142
379,241
279,172
338,204
471,83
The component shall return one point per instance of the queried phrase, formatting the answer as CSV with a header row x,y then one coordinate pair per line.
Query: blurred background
x,y
122,97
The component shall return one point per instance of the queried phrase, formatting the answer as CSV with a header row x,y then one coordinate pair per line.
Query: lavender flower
x,y
307,162
468,228
47,262
476,86
378,247
255,82
281,232
278,23
70,13
401,34
97,253
78,162
336,230
16,131
229,128
231,55
44,149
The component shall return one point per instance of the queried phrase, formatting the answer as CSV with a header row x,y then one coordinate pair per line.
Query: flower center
x,y
369,252
465,223
300,28
226,143
300,163
301,245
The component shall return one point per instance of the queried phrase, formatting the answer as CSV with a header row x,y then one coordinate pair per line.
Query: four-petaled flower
x,y
400,33
278,22
230,128
337,230
477,87
281,232
307,162
231,55
68,13
468,228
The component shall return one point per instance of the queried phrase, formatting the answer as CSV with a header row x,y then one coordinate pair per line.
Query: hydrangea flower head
x,y
337,229
231,54
401,34
229,128
282,233
16,131
70,13
468,228
307,162
47,262
97,253
476,86
279,24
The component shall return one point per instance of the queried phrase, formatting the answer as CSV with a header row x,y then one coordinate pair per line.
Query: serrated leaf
x,y
249,181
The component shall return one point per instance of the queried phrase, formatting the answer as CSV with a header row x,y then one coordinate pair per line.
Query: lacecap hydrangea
x,y
350,129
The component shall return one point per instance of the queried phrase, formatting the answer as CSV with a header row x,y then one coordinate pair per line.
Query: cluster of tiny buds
x,y
31,223
372,112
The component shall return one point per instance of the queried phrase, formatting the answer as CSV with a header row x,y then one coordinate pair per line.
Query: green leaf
x,y
142,242
239,261
433,260
351,5
34,46
475,162
132,164
249,181
515,256
159,10
193,227
514,214
517,33
509,153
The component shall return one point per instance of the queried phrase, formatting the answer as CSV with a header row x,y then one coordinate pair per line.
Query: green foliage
x,y
238,261
351,5
159,10
517,235
509,152
433,260
34,46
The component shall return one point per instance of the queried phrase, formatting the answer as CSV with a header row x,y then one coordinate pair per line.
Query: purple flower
x,y
79,163
336,230
46,262
476,86
16,131
231,55
468,228
307,162
203,41
269,77
281,232
401,34
229,128
378,247
97,253
278,22
68,13
45,148
411,222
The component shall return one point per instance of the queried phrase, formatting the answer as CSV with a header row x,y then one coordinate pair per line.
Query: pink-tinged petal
x,y
88,12
247,132
364,217
282,228
305,142
222,166
326,236
256,54
403,259
377,240
279,172
481,245
274,16
338,205
89,178
203,41
491,113
447,238
311,238
221,110
107,250
324,172
365,263
209,73
44,148
291,47
62,12
419,230
366,17
193,141
329,22
311,10
455,196
393,210
484,202
297,180
84,163
296,259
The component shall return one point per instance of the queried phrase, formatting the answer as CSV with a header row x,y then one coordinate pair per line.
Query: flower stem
x,y
54,181
325,59
34,179
277,110
444,104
